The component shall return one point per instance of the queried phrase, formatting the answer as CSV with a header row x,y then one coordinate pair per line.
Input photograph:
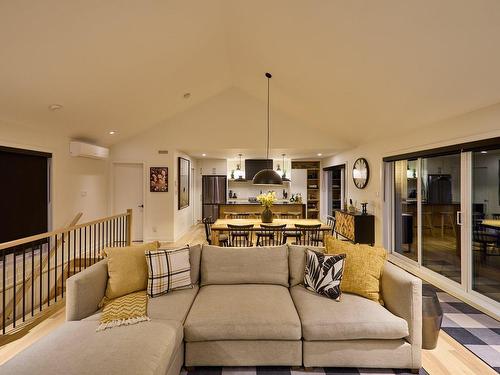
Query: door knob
x,y
141,206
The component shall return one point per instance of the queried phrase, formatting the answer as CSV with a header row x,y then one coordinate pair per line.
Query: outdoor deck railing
x,y
34,270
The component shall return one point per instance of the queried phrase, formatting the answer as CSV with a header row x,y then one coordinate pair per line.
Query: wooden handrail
x,y
36,237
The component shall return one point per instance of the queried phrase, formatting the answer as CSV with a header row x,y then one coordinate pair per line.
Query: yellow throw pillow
x,y
362,269
127,269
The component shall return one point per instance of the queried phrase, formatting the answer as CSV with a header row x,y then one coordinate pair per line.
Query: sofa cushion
x,y
352,318
242,312
76,348
127,269
168,270
363,267
297,262
174,305
244,265
194,260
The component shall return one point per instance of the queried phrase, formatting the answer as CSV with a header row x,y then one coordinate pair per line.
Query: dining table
x,y
491,223
221,225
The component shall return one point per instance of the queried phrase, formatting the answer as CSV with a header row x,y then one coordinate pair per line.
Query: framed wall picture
x,y
158,179
183,181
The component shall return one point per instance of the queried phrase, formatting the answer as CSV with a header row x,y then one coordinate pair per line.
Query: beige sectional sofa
x,y
248,307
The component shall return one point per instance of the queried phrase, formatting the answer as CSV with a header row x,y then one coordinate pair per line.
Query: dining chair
x,y
484,240
331,221
223,238
290,215
239,215
270,235
240,235
310,235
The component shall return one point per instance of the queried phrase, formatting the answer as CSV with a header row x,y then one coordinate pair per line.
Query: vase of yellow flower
x,y
267,200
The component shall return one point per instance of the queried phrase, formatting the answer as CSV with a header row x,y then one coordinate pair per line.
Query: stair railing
x,y
34,270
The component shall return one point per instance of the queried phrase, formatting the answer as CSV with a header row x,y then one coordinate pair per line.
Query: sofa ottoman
x,y
75,348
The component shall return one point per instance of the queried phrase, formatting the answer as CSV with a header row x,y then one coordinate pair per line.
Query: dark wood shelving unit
x,y
313,186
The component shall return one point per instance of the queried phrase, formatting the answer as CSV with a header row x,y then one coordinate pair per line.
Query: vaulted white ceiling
x,y
344,70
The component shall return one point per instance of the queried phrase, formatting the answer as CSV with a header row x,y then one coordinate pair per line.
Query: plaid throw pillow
x,y
168,270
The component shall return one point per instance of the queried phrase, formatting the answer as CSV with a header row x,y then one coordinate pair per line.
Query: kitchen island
x,y
255,209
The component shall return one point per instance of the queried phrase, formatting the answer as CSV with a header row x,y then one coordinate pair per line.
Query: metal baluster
x,y
80,250
68,267
95,244
24,282
90,244
85,248
3,290
101,231
74,251
33,282
41,273
62,266
14,290
55,268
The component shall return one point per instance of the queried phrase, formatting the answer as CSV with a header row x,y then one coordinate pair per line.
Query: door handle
x,y
141,206
459,217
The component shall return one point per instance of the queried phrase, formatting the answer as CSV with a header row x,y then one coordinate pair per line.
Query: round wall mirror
x,y
360,173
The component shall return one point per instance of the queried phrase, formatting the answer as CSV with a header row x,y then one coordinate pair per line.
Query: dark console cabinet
x,y
355,226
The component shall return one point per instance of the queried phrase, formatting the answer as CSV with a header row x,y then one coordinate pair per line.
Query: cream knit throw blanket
x,y
125,310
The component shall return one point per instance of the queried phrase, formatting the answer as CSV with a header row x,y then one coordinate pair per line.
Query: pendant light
x,y
267,176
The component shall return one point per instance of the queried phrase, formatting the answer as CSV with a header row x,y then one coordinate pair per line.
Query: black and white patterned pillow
x,y
323,273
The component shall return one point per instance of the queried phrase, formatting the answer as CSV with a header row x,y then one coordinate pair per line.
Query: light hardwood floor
x,y
449,358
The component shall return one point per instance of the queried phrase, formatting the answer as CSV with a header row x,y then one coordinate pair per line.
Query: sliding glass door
x,y
486,223
405,208
440,203
444,216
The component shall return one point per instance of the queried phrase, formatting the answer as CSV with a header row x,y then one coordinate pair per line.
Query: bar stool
x,y
447,216
427,221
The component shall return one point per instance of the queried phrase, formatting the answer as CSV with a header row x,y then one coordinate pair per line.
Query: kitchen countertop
x,y
257,203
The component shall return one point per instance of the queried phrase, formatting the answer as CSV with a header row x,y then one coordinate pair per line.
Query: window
x,y
24,190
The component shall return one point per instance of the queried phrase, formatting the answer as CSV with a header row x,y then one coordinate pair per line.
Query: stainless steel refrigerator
x,y
213,194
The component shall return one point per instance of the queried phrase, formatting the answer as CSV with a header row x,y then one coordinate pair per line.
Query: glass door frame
x,y
464,220
466,270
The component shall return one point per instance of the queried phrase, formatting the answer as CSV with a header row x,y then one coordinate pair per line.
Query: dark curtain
x,y
23,193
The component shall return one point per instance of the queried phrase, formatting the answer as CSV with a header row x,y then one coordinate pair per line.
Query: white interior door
x,y
128,188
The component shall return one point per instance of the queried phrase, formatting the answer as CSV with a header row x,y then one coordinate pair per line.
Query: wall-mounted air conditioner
x,y
86,150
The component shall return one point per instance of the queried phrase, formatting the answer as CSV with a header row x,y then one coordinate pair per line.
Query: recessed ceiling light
x,y
112,132
203,155
320,154
187,95
55,107
484,152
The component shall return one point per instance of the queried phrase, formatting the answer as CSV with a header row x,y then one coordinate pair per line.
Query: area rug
x,y
261,370
473,329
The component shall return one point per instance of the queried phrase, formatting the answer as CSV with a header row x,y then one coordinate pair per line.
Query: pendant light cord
x,y
268,126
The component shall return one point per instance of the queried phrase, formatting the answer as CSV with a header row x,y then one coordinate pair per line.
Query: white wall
x,y
78,184
476,125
